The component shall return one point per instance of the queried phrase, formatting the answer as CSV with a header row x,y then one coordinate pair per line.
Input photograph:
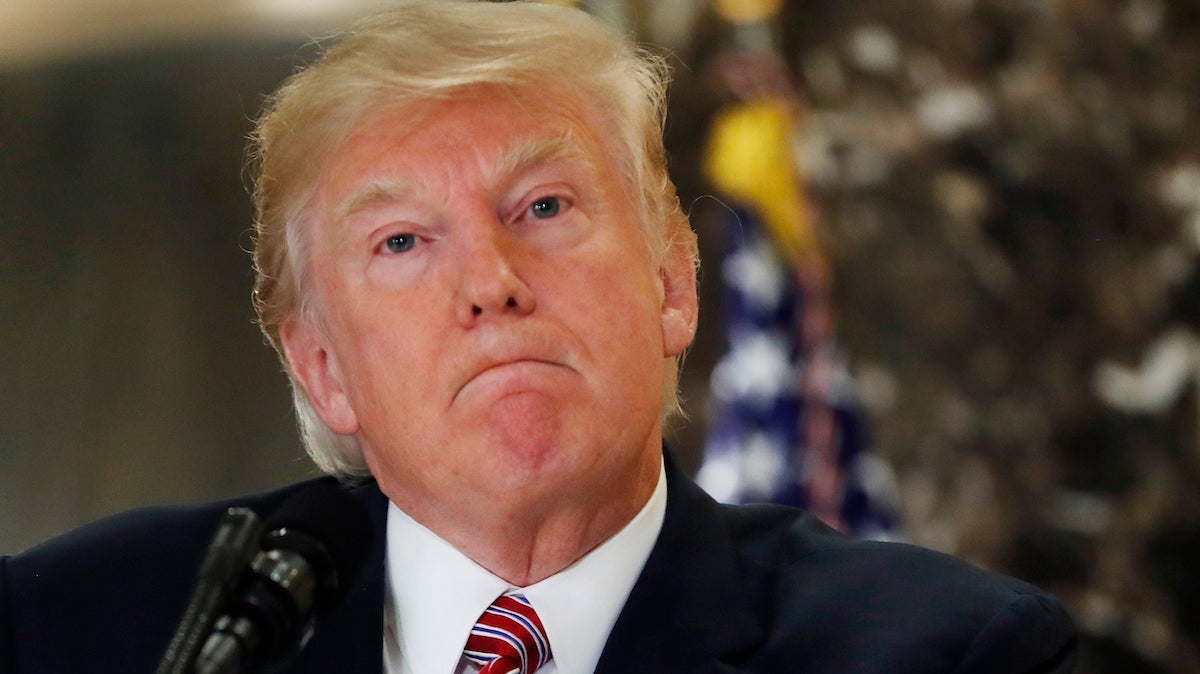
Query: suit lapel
x,y
350,640
690,609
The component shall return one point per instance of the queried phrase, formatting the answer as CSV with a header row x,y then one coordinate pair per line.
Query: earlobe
x,y
318,373
680,305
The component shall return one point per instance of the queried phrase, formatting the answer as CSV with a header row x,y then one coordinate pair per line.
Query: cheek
x,y
381,354
616,307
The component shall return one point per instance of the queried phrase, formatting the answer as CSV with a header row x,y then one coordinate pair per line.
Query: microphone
x,y
313,549
231,549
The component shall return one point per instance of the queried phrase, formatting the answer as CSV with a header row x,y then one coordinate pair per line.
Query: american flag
x,y
787,426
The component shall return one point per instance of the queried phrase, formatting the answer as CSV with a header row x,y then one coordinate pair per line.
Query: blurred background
x,y
950,282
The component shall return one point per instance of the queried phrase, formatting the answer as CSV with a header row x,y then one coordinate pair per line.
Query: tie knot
x,y
508,638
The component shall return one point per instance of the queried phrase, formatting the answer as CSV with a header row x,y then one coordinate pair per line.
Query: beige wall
x,y
35,31
133,373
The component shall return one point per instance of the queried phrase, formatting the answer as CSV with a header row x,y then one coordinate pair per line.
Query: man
x,y
477,273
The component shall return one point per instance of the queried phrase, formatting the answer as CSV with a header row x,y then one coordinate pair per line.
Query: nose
x,y
491,284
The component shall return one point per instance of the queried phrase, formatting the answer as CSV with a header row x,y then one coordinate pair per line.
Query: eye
x,y
400,243
546,207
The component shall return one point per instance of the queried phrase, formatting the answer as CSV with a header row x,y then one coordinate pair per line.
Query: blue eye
x,y
547,207
400,243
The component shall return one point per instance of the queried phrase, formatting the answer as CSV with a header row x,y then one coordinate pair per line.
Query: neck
x,y
529,536
529,550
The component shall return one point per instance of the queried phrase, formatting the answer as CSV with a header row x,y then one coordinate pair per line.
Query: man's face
x,y
489,321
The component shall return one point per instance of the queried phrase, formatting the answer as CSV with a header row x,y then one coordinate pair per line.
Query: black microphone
x,y
313,549
231,549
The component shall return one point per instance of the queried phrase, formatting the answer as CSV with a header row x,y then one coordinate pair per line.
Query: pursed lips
x,y
489,367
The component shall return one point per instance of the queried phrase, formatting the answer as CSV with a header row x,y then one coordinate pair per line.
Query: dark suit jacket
x,y
726,589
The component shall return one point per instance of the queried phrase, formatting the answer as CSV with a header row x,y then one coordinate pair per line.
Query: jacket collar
x,y
690,609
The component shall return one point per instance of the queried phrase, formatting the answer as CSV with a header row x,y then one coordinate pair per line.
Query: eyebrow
x,y
530,152
521,156
375,193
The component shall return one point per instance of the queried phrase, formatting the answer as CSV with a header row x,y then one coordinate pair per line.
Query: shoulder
x,y
898,602
782,541
118,583
134,540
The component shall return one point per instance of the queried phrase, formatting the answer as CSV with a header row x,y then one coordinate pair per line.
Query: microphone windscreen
x,y
331,516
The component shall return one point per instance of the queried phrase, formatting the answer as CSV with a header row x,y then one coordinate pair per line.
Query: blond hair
x,y
429,50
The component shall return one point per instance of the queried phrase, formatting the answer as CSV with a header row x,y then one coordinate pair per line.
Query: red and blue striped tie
x,y
508,638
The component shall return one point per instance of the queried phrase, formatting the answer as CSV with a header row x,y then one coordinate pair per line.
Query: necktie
x,y
508,638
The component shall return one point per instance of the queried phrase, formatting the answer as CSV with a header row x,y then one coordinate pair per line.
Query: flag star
x,y
763,466
757,370
756,272
720,476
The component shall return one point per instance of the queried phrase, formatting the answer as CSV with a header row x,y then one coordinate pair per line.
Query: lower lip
x,y
510,378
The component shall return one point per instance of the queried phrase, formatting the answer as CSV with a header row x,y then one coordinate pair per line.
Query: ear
x,y
680,305
306,348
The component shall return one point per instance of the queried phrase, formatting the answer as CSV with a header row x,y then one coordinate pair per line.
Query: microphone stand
x,y
231,549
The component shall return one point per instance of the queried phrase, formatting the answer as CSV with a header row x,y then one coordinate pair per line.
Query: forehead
x,y
524,154
470,138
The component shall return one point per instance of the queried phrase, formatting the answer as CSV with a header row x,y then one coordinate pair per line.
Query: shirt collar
x,y
437,593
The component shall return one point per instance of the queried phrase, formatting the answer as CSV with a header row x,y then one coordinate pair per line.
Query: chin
x,y
528,427
530,451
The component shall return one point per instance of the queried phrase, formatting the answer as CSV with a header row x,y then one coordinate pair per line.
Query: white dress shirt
x,y
435,594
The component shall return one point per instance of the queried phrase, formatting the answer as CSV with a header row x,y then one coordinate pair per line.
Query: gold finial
x,y
747,11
